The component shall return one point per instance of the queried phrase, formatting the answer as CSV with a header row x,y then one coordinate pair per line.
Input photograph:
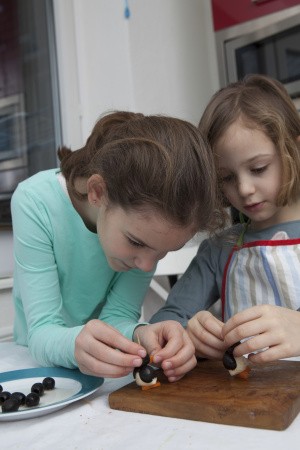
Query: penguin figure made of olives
x,y
145,375
237,366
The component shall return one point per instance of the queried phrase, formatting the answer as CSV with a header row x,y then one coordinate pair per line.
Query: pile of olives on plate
x,y
11,402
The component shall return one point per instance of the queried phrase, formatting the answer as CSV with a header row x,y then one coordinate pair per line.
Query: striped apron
x,y
262,272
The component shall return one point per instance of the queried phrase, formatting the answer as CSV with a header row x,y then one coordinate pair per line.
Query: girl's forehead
x,y
156,232
150,215
240,123
241,145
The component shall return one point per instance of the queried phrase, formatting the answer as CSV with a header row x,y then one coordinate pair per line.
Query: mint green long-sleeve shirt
x,y
61,276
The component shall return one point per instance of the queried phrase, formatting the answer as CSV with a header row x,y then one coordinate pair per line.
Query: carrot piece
x,y
151,359
244,374
146,388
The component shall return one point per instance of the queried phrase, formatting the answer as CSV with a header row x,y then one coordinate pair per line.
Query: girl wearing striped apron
x,y
262,272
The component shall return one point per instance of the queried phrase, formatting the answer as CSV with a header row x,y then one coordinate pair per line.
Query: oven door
x,y
273,51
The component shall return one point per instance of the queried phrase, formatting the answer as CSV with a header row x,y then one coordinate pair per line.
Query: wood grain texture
x,y
269,399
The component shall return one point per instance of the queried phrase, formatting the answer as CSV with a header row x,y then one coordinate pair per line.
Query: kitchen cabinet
x,y
233,12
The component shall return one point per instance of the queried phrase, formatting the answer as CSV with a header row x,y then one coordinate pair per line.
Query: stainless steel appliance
x,y
269,45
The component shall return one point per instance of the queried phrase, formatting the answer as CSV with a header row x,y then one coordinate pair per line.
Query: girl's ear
x,y
96,190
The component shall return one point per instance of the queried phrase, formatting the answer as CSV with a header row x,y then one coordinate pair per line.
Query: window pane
x,y
29,101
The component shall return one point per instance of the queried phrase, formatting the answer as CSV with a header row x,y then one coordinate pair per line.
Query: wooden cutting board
x,y
270,398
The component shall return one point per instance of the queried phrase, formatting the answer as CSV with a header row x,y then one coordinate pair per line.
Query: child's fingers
x,y
214,326
205,351
242,325
176,346
176,373
93,366
185,355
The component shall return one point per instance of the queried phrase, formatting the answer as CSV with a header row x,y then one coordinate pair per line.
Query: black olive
x,y
48,383
32,399
38,388
19,396
230,349
146,360
10,405
5,395
1,388
146,374
229,361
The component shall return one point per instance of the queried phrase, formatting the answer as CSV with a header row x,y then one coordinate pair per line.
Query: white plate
x,y
70,386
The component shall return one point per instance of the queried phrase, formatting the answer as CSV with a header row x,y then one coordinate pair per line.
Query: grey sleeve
x,y
196,290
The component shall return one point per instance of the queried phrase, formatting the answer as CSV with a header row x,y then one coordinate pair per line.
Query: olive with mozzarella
x,y
145,374
238,366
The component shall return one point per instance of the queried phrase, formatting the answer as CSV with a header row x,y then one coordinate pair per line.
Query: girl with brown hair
x,y
253,128
87,238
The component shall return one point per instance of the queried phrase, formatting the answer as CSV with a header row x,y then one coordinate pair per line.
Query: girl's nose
x,y
245,187
146,264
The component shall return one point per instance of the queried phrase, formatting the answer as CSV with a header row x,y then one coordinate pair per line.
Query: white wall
x,y
161,60
173,59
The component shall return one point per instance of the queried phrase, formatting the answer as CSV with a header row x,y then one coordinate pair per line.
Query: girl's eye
x,y
226,179
259,170
134,243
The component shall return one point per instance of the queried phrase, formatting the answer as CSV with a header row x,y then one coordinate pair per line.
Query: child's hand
x,y
102,351
170,346
205,331
273,328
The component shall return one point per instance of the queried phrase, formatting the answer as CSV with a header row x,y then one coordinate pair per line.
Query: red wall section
x,y
227,13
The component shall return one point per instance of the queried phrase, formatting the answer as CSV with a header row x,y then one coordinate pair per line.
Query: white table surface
x,y
90,424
